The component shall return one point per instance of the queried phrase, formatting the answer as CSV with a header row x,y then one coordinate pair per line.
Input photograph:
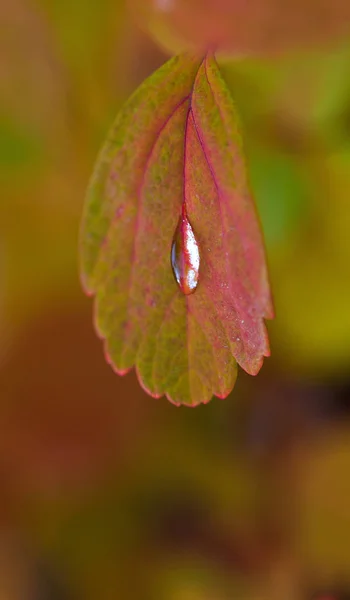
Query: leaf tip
x,y
146,389
87,289
254,367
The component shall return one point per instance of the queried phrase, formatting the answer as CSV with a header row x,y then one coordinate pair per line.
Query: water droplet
x,y
185,255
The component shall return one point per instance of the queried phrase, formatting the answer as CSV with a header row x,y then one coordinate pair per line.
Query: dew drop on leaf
x,y
185,255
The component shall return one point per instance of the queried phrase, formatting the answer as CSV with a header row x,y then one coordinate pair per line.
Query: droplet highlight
x,y
185,257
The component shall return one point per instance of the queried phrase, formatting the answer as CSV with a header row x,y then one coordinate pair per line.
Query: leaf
x,y
174,146
255,27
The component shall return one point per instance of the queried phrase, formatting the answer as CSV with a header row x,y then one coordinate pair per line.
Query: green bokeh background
x,y
106,493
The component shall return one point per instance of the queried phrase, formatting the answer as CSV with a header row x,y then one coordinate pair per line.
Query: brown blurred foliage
x,y
104,492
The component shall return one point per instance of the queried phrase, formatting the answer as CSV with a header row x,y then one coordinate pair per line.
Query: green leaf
x,y
175,150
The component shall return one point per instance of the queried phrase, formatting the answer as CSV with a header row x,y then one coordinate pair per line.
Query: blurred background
x,y
106,493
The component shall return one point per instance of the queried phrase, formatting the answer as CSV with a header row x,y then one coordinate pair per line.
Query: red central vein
x,y
140,189
142,183
184,210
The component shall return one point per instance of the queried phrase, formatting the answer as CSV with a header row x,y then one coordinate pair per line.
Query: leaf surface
x,y
176,145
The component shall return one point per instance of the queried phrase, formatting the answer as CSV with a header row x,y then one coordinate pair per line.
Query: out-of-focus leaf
x,y
176,150
258,26
32,87
298,101
309,282
279,192
89,53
